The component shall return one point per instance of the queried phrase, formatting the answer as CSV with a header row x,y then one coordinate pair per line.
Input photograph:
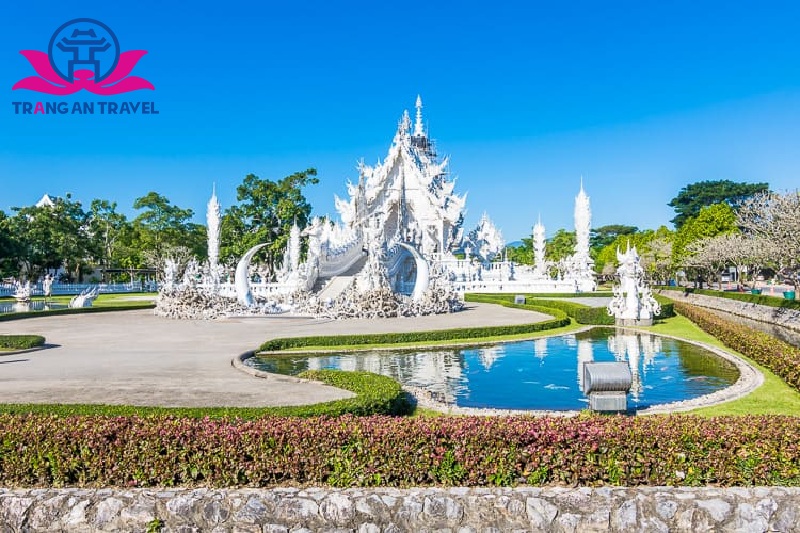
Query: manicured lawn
x,y
774,397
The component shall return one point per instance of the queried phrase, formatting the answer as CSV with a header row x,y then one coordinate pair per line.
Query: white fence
x,y
8,289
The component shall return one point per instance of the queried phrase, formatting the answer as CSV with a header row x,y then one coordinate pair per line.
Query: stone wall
x,y
788,318
397,510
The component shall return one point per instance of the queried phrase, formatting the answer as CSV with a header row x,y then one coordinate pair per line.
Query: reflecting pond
x,y
12,306
541,374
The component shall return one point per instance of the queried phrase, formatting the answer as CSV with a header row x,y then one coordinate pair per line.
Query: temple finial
x,y
581,182
418,123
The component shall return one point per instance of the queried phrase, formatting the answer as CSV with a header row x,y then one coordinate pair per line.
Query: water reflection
x,y
639,350
540,374
24,307
540,349
585,355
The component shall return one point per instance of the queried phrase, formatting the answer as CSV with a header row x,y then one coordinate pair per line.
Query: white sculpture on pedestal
x,y
633,303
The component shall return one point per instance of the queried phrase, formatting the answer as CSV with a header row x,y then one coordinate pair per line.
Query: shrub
x,y
375,394
20,342
384,451
782,358
559,319
582,314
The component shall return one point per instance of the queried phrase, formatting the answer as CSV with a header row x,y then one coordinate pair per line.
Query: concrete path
x,y
135,358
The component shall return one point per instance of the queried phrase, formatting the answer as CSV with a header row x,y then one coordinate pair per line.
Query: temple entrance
x,y
406,276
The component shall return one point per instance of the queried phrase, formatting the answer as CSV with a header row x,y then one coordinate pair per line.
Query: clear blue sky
x,y
639,97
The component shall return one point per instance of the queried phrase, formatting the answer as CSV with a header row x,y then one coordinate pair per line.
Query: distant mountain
x,y
514,244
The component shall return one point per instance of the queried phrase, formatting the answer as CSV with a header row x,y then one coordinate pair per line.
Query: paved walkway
x,y
135,358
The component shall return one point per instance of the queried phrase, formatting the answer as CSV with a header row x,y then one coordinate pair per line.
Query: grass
x,y
375,394
104,302
424,344
774,397
12,343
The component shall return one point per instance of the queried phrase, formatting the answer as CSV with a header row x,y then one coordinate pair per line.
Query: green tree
x,y
9,248
654,247
712,220
106,226
161,226
692,198
605,235
51,237
560,245
265,214
522,253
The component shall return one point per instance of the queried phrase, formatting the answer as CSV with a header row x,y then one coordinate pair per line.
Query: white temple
x,y
400,242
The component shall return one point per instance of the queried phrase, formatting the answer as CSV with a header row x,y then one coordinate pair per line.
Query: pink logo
x,y
83,43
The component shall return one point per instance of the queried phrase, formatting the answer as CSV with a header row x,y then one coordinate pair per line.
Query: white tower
x,y
212,222
582,263
294,248
540,267
418,131
583,224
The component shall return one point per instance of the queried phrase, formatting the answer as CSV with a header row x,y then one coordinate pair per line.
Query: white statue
x,y
633,302
47,287
85,298
22,293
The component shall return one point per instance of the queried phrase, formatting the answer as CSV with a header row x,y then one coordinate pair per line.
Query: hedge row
x,y
71,311
20,342
780,357
761,299
582,314
375,394
386,451
559,319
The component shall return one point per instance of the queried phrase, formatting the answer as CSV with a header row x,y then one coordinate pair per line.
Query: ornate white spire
x,y
213,229
540,267
583,224
293,251
418,124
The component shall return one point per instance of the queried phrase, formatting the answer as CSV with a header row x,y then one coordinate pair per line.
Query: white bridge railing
x,y
335,261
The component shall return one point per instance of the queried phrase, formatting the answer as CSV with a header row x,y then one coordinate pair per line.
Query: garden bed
x,y
349,451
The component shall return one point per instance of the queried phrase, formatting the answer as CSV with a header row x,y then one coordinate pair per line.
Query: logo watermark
x,y
83,54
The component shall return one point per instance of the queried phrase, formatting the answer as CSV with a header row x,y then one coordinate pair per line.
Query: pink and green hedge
x,y
38,450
